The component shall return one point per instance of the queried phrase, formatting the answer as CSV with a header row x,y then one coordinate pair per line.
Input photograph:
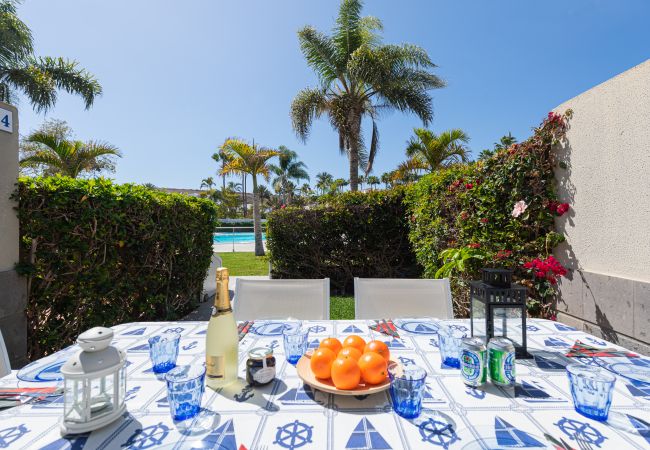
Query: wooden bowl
x,y
307,376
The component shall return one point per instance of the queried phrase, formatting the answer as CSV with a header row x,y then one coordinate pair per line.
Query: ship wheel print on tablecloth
x,y
438,431
148,437
10,435
316,329
293,435
572,427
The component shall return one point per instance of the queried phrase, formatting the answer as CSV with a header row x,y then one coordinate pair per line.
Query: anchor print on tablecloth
x,y
77,442
316,329
245,394
406,361
223,438
293,435
641,426
588,433
10,435
555,342
438,431
299,396
533,392
561,327
352,329
136,332
366,437
476,393
458,327
192,345
507,435
149,437
530,327
433,342
273,345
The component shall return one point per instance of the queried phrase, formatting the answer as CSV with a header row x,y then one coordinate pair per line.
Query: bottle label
x,y
263,376
215,367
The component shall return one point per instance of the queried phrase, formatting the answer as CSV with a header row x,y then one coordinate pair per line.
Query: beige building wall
x,y
13,296
607,183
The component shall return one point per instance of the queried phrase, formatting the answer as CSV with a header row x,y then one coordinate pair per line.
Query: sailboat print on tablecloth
x,y
642,427
532,392
74,443
352,329
136,332
638,389
508,435
298,396
223,438
366,437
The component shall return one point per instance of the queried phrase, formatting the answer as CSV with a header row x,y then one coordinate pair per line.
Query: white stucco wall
x,y
8,174
608,180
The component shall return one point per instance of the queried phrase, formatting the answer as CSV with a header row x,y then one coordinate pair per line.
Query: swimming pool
x,y
237,238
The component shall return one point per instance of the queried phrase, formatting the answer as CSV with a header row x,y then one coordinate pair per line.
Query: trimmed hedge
x,y
98,253
350,235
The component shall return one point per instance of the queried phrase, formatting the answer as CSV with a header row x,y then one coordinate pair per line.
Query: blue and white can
x,y
473,360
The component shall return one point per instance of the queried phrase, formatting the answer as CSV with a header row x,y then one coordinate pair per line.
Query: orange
x,y
332,343
374,368
378,347
345,373
355,341
321,362
350,352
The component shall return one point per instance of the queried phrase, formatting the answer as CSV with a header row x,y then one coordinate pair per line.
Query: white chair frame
x,y
377,298
280,299
5,364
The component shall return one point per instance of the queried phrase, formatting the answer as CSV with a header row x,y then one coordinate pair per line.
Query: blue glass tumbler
x,y
449,342
407,387
592,389
296,342
185,387
163,351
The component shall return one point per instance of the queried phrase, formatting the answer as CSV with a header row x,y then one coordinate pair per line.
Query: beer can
x,y
473,358
501,361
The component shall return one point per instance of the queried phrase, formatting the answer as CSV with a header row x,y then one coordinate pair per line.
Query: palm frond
x,y
320,54
68,76
15,36
374,147
306,106
347,33
37,85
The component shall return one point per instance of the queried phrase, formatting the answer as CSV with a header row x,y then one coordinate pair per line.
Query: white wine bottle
x,y
222,340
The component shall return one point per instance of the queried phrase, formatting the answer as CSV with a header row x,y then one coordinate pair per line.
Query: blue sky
x,y
180,76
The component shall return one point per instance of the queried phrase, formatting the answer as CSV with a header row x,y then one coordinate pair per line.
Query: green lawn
x,y
247,264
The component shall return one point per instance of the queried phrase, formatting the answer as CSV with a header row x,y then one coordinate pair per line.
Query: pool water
x,y
237,237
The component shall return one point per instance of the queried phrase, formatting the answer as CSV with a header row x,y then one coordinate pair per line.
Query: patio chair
x,y
280,299
5,365
377,298
210,282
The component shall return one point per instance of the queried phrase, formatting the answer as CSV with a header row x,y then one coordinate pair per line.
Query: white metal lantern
x,y
95,383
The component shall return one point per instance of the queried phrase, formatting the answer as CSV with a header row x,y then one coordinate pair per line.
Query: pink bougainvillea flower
x,y
485,220
519,208
474,245
469,185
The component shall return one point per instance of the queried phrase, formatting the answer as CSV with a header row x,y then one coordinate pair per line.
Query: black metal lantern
x,y
498,309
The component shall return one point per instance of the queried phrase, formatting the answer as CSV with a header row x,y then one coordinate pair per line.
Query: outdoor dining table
x,y
286,414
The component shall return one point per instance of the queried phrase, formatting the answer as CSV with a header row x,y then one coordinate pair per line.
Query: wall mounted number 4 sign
x,y
6,121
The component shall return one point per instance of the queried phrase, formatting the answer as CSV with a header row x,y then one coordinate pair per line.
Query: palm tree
x,y
360,76
387,178
244,158
220,157
289,168
430,152
68,157
323,181
207,183
39,78
505,142
373,181
338,184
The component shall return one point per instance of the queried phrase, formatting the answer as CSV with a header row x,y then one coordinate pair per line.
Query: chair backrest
x,y
5,365
280,299
210,282
383,298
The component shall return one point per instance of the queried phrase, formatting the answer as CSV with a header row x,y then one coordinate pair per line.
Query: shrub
x,y
501,208
349,235
98,253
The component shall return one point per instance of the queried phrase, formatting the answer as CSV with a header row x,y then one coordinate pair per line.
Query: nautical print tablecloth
x,y
289,415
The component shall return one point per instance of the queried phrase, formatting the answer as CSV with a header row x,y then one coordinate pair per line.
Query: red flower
x,y
474,245
540,274
485,220
562,208
528,265
464,215
283,206
469,185
503,254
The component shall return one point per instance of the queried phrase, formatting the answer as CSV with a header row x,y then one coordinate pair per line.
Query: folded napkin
x,y
582,350
244,327
385,326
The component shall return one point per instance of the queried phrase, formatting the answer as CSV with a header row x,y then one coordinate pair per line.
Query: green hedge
x,y
98,253
350,235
